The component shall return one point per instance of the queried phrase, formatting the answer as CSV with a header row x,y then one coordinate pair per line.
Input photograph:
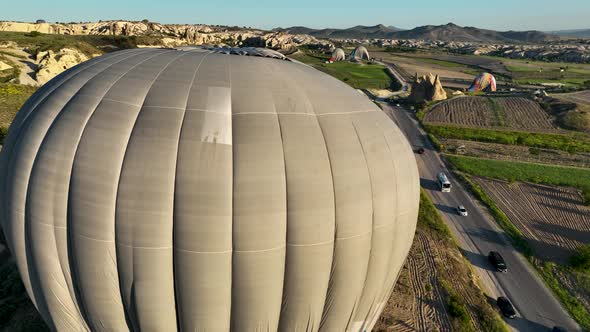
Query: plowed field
x,y
553,220
507,112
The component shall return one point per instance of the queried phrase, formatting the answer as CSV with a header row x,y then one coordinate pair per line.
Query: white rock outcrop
x,y
50,63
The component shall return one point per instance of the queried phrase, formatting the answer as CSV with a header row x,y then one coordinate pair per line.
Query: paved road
x,y
477,234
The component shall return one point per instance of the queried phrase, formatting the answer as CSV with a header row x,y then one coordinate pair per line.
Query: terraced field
x,y
553,220
507,112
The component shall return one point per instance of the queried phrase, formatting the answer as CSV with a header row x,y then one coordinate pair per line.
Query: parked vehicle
x,y
497,261
420,151
559,329
506,307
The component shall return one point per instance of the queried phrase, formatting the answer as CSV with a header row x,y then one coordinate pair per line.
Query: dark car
x,y
506,307
420,151
497,261
559,329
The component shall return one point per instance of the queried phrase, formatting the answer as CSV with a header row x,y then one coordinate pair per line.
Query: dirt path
x,y
27,66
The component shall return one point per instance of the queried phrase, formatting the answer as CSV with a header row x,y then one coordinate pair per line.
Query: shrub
x,y
33,34
457,308
581,259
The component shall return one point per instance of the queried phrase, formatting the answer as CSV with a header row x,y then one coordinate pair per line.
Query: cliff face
x,y
171,34
50,63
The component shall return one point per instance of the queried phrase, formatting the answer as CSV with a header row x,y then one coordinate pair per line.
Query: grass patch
x,y
525,172
498,112
436,143
87,44
571,303
569,142
430,218
12,97
457,309
359,76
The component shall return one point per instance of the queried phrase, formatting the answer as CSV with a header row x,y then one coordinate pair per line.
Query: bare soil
x,y
582,97
517,113
553,220
418,301
517,153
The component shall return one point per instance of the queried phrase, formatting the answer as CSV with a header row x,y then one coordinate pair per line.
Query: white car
x,y
462,211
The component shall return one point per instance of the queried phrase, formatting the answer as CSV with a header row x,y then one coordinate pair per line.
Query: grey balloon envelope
x,y
162,190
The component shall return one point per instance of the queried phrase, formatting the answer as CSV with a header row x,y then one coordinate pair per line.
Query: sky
x,y
544,15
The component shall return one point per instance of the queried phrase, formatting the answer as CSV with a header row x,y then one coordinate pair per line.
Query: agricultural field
x,y
452,74
538,72
553,220
525,172
580,97
516,113
520,153
457,70
436,290
546,212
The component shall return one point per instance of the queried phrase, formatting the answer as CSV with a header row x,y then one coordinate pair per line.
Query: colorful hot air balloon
x,y
484,82
165,190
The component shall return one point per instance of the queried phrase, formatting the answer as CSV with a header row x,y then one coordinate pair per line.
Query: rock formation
x,y
171,35
52,63
4,66
427,88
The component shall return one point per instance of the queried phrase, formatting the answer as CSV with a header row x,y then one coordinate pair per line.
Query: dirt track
x,y
418,302
552,219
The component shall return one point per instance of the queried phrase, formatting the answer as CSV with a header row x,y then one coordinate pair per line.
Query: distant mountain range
x,y
577,33
447,32
356,32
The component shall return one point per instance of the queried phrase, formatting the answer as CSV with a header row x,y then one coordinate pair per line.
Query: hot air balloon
x,y
359,53
338,55
484,82
165,190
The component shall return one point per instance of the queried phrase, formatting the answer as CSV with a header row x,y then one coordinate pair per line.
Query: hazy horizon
x,y
543,15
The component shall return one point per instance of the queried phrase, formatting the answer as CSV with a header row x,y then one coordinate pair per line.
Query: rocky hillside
x,y
447,32
453,32
357,32
172,34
